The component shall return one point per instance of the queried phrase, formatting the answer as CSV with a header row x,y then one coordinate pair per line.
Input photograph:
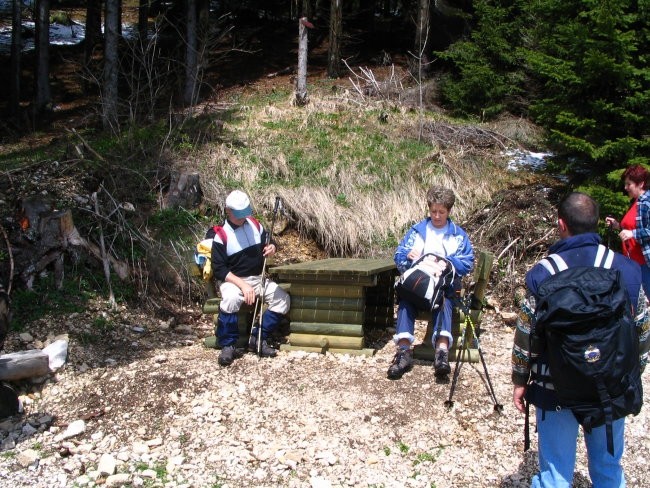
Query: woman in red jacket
x,y
635,180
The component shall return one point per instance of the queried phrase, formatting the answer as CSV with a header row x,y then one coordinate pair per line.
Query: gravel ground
x,y
148,406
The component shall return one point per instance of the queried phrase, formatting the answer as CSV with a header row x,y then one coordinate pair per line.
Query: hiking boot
x,y
402,362
227,356
266,350
441,364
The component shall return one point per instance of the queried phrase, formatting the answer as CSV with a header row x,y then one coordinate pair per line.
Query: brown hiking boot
x,y
402,362
266,350
228,355
441,364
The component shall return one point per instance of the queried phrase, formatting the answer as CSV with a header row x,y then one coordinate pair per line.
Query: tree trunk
x,y
307,9
422,39
16,50
42,95
191,57
111,65
143,19
93,28
334,53
203,10
4,315
301,81
184,191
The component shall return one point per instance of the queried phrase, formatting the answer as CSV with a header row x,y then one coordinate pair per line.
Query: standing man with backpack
x,y
578,352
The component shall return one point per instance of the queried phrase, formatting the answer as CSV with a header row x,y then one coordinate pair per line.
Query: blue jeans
x,y
441,319
557,438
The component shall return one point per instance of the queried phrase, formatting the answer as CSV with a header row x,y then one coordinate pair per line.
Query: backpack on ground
x,y
584,324
424,283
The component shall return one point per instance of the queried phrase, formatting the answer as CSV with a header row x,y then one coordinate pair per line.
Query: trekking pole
x,y
460,356
462,343
257,310
609,231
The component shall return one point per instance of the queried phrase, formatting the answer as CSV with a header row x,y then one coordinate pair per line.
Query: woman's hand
x,y
249,293
612,222
413,255
626,234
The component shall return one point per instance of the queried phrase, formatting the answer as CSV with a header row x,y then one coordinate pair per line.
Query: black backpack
x,y
584,324
424,283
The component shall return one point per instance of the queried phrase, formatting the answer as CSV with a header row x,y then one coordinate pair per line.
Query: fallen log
x,y
351,330
326,341
24,364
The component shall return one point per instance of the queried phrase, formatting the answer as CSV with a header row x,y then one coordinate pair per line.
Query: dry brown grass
x,y
371,218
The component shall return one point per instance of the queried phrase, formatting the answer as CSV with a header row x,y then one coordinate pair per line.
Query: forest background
x,y
402,94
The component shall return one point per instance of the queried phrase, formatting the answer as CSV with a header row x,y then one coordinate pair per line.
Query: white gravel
x,y
156,410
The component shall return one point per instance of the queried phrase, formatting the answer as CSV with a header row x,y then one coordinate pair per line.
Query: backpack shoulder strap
x,y
220,231
553,263
255,222
604,257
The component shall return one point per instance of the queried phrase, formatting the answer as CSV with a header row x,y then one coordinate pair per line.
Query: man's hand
x,y
518,394
612,222
269,250
249,293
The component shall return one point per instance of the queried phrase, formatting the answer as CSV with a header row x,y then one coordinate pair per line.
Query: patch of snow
x,y
529,160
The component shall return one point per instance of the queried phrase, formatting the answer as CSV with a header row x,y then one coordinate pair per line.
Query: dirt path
x,y
154,401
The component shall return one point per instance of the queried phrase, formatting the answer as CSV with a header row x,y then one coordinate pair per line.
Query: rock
x,y
74,429
509,318
27,458
7,426
317,482
26,337
149,473
140,447
28,430
57,353
106,465
119,479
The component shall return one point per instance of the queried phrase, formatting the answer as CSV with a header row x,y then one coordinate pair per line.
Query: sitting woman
x,y
439,235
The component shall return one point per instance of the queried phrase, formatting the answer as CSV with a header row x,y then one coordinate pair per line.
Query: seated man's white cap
x,y
239,204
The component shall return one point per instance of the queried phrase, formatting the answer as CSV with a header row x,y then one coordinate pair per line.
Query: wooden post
x,y
301,81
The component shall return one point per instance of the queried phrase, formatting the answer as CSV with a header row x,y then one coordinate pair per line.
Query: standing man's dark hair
x,y
579,212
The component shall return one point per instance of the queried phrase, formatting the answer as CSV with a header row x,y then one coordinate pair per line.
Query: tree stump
x,y
184,191
42,238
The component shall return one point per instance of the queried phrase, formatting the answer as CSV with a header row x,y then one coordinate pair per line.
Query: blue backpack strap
x,y
604,257
553,263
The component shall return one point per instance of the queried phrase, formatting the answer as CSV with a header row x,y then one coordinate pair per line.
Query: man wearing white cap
x,y
238,252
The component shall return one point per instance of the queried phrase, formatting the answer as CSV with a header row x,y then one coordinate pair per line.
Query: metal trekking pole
x,y
257,310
